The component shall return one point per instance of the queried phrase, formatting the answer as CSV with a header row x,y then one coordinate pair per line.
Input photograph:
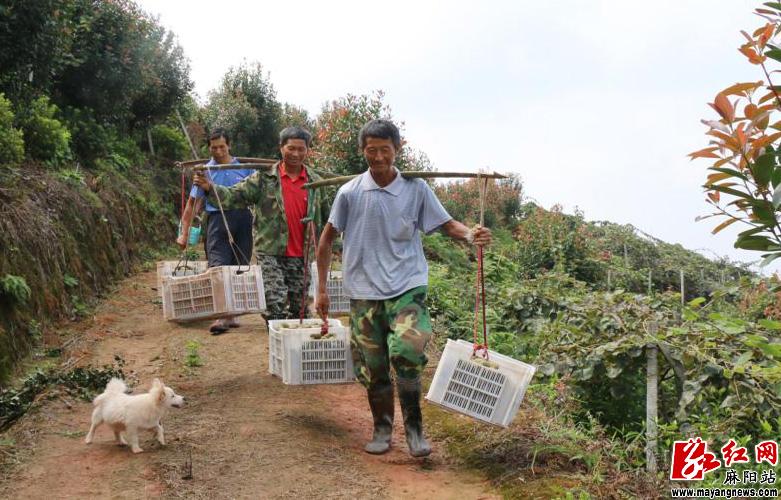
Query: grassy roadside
x,y
544,453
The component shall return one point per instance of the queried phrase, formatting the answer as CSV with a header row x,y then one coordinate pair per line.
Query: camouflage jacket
x,y
263,191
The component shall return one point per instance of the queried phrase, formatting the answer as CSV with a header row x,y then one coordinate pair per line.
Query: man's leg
x,y
240,223
410,331
372,368
218,253
274,285
293,268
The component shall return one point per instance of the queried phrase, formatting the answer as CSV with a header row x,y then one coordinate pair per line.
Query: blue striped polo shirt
x,y
382,254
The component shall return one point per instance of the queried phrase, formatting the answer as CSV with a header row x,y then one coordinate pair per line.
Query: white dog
x,y
127,414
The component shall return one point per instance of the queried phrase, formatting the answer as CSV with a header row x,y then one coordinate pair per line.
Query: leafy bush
x,y
502,201
744,181
246,106
124,153
90,139
46,138
336,142
192,357
84,382
110,60
550,237
15,288
170,144
11,139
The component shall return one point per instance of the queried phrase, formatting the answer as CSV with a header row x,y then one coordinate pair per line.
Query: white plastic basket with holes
x,y
174,268
340,303
490,392
216,293
299,359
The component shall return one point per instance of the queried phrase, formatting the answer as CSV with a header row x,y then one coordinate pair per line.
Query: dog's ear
x,y
158,389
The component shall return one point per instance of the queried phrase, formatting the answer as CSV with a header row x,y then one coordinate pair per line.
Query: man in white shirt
x,y
380,215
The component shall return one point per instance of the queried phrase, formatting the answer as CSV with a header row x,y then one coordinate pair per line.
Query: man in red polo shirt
x,y
283,275
280,203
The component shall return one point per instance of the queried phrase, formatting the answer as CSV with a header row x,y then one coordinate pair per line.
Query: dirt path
x,y
249,435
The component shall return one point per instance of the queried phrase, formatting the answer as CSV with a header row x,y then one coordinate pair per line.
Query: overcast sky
x,y
594,103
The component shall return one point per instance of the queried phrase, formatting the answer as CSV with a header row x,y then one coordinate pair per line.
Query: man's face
x,y
379,154
294,152
219,150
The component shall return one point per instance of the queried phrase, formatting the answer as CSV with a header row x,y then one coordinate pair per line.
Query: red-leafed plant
x,y
744,181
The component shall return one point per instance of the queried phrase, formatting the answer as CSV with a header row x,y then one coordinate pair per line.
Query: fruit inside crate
x,y
299,354
489,391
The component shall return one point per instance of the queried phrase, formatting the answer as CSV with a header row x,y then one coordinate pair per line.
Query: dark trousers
x,y
218,247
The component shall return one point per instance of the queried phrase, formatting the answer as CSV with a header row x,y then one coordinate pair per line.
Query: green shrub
x,y
47,139
192,358
11,139
15,288
169,143
125,153
90,138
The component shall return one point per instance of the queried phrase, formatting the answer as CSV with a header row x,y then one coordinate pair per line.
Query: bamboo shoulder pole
x,y
196,167
421,175
232,166
241,159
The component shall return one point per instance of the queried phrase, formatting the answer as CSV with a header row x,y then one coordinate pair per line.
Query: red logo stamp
x,y
731,454
691,460
766,451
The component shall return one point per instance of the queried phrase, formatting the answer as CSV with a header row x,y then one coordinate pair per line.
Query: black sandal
x,y
218,327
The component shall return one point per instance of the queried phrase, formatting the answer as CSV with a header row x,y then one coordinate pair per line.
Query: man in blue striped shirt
x,y
219,251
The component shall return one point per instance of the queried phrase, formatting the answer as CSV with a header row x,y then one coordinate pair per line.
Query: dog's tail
x,y
114,386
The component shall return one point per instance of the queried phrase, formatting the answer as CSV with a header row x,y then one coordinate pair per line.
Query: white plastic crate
x,y
492,395
219,292
299,359
340,303
169,268
279,327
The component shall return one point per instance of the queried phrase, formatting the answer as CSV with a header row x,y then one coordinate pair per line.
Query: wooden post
x,y
187,135
650,282
651,400
149,139
609,286
683,290
626,257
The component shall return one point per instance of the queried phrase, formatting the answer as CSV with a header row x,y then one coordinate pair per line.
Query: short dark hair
x,y
380,129
289,133
219,133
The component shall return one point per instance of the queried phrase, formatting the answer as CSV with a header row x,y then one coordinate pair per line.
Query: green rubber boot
x,y
409,397
381,403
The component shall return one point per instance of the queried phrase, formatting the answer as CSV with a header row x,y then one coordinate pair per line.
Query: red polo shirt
x,y
294,197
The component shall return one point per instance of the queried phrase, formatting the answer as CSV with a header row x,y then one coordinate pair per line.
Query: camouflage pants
x,y
283,280
392,332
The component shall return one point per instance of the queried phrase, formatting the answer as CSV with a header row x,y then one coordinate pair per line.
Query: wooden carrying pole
x,y
200,167
422,175
241,159
232,166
